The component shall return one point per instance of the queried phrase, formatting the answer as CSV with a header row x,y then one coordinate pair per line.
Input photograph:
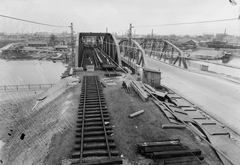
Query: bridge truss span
x,y
163,50
104,41
132,53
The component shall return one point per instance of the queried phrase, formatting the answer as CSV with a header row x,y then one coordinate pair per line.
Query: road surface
x,y
218,97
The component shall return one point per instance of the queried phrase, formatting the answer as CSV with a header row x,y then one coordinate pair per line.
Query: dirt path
x,y
146,127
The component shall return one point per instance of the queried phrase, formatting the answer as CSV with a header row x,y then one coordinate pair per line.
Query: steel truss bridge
x,y
104,51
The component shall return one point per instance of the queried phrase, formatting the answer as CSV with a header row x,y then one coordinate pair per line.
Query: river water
x,y
230,67
30,72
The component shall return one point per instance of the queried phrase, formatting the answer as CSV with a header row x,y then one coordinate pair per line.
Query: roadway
x,y
218,97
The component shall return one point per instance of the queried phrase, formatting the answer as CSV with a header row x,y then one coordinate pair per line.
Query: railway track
x,y
94,142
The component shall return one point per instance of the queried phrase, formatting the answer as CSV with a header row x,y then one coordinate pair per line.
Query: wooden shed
x,y
152,77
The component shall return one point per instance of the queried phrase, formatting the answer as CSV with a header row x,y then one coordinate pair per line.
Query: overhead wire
x,y
34,22
188,23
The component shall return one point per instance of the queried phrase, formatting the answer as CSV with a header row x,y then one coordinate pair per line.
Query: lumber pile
x,y
150,88
170,152
144,90
138,88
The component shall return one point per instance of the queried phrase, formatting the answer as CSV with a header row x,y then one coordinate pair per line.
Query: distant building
x,y
220,36
192,43
185,43
231,39
208,37
37,44
61,47
41,34
182,40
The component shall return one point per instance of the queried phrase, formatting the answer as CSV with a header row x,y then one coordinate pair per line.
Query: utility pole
x,y
72,46
130,42
130,31
152,33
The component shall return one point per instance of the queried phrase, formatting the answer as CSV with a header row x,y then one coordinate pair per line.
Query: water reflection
x,y
30,72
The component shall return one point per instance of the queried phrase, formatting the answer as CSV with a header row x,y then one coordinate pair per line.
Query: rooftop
x,y
36,42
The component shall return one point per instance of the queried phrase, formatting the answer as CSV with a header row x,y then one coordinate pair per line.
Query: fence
x,y
25,87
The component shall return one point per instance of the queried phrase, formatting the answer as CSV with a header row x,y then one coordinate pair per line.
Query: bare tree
x,y
52,40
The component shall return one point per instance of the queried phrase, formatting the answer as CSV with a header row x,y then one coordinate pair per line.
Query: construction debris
x,y
169,151
160,94
150,88
173,126
178,109
136,113
140,91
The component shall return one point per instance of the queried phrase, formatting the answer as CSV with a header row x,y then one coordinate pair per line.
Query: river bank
x,y
29,126
4,41
34,55
16,51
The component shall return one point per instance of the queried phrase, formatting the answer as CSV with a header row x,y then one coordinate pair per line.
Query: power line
x,y
188,23
39,23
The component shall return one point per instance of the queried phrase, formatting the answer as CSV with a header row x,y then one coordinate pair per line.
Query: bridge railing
x,y
25,87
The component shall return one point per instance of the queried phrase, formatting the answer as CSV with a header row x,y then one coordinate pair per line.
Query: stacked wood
x,y
150,88
161,94
140,91
149,92
169,152
186,160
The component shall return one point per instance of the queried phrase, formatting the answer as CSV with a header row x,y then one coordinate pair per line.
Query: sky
x,y
115,16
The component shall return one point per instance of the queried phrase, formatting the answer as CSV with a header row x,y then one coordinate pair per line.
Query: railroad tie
x,y
94,144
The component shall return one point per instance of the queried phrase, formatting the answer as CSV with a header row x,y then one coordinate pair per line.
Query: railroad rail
x,y
25,87
93,55
94,142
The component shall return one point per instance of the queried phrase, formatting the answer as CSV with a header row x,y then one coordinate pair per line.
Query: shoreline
x,y
15,53
32,58
40,123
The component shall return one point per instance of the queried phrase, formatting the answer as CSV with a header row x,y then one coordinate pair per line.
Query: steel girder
x,y
106,41
133,51
161,48
110,47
